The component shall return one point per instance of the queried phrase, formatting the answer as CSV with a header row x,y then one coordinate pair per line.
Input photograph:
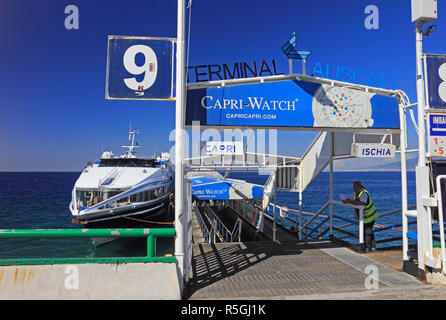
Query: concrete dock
x,y
292,270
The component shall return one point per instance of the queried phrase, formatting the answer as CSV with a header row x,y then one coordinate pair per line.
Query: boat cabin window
x,y
86,198
148,195
128,162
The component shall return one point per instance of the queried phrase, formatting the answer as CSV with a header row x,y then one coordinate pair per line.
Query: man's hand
x,y
346,201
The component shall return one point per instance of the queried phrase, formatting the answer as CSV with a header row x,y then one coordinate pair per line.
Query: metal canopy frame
x,y
273,169
275,78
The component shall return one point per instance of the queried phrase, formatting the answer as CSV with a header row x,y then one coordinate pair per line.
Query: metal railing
x,y
218,228
150,233
310,223
237,230
204,229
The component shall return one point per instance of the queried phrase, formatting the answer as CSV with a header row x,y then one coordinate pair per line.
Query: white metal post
x,y
422,172
298,222
179,139
331,183
441,222
274,213
361,226
403,139
420,96
187,230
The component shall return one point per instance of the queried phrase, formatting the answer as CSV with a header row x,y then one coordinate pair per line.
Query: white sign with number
x,y
437,134
140,68
437,146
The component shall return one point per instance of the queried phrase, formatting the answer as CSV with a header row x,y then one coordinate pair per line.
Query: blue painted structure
x,y
210,188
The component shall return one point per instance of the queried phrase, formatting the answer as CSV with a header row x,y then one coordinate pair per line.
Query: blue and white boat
x,y
124,192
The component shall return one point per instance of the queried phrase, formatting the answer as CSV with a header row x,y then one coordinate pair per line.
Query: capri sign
x,y
223,147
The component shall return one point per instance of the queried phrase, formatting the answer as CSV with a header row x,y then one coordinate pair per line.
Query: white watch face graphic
x,y
341,108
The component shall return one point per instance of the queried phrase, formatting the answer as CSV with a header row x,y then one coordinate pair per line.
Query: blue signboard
x,y
208,188
291,103
140,68
436,79
437,124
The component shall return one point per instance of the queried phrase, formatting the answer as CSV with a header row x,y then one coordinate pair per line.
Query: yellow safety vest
x,y
370,213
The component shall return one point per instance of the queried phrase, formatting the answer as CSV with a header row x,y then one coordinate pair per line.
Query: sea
x,y
40,200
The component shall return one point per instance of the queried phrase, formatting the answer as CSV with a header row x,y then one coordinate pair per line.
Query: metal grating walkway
x,y
271,270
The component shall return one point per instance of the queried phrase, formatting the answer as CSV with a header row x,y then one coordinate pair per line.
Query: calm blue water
x,y
40,200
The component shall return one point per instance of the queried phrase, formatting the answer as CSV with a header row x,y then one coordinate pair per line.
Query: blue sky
x,y
54,116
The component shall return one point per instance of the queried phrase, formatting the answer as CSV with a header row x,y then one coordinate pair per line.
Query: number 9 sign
x,y
149,68
140,68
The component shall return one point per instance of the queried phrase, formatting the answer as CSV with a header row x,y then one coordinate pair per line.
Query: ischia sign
x,y
373,150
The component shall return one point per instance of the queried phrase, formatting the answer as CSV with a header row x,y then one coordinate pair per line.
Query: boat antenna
x,y
134,144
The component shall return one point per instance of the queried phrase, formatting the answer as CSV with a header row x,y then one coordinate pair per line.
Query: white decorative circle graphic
x,y
341,108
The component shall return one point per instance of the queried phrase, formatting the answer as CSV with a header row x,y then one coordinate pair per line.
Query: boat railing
x,y
150,233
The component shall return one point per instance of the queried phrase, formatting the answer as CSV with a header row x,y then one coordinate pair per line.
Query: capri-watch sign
x,y
291,103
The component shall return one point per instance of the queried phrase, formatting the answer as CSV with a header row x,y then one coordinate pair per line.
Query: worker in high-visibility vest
x,y
362,197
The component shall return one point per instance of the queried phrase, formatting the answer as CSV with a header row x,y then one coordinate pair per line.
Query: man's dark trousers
x,y
369,235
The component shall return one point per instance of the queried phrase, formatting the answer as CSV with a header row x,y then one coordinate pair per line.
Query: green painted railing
x,y
151,234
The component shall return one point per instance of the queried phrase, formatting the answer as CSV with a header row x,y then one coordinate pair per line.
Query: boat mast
x,y
129,153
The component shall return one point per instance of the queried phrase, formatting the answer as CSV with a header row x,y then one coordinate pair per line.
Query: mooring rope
x,y
149,221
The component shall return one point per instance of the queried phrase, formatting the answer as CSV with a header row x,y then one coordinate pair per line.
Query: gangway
x,y
289,173
212,226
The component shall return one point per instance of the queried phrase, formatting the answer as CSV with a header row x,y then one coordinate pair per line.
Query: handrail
x,y
222,232
150,233
319,225
283,208
204,228
396,211
440,218
219,228
237,230
316,215
361,216
351,222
